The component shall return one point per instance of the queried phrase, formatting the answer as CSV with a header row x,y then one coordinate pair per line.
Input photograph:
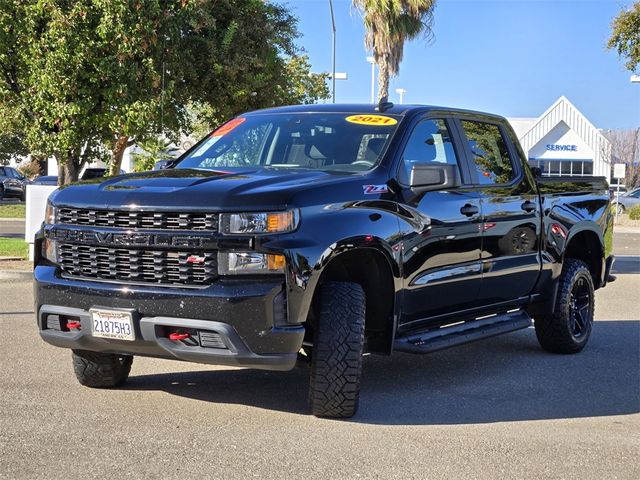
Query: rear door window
x,y
489,151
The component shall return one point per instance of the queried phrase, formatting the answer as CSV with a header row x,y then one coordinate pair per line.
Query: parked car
x,y
46,180
12,183
91,173
613,191
161,164
88,174
628,200
316,233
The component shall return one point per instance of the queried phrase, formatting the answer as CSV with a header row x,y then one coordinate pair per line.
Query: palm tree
x,y
389,23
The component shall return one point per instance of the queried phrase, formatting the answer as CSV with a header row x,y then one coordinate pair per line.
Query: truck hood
x,y
190,189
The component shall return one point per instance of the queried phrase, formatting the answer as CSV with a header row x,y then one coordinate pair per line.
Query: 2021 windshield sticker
x,y
378,120
375,189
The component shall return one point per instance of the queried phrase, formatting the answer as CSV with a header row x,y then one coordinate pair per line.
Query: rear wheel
x,y
568,328
336,363
101,370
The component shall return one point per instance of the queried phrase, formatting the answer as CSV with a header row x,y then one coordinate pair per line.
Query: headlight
x,y
252,223
50,214
247,263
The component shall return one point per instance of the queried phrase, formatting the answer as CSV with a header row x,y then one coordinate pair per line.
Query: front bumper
x,y
246,318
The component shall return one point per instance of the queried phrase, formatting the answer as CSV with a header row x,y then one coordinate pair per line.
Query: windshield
x,y
332,141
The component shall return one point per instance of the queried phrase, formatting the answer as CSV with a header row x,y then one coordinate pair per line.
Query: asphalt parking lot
x,y
500,408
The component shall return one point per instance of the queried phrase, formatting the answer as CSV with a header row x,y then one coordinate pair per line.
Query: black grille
x,y
159,220
138,266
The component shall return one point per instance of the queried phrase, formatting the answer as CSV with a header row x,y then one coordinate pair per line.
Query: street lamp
x,y
635,79
333,52
372,61
401,92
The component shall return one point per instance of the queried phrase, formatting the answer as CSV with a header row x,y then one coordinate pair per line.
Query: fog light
x,y
245,263
49,250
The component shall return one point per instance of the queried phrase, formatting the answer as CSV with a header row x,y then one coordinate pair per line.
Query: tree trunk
x,y
383,78
68,171
116,154
42,165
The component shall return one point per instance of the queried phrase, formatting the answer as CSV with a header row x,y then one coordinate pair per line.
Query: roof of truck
x,y
402,109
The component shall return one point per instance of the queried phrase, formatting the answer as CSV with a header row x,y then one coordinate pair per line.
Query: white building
x,y
562,141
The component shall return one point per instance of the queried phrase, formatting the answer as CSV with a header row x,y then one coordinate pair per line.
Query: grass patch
x,y
13,247
12,211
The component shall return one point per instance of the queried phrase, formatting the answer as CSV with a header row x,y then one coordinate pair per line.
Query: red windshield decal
x,y
227,127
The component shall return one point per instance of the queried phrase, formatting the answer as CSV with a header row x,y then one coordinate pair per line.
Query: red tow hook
x,y
178,336
73,325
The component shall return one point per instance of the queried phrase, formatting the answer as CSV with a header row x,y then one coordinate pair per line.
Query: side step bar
x,y
450,336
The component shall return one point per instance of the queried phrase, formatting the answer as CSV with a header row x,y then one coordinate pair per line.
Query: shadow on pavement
x,y
503,379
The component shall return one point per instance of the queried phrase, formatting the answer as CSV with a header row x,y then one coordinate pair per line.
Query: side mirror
x,y
426,177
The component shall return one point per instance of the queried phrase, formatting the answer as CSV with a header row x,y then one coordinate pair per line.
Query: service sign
x,y
619,170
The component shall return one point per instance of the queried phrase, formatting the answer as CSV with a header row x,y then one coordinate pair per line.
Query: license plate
x,y
112,324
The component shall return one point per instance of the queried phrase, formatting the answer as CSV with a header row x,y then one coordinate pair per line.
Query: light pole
x,y
333,52
635,79
372,61
401,92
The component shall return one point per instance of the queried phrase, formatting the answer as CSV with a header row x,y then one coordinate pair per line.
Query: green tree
x,y
389,24
154,149
293,84
87,78
625,36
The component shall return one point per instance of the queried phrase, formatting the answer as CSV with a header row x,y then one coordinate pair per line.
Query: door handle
x,y
528,206
469,210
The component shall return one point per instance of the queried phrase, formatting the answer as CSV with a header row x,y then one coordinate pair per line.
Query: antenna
x,y
384,105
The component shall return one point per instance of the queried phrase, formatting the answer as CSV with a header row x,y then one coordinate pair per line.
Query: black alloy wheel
x,y
580,314
568,327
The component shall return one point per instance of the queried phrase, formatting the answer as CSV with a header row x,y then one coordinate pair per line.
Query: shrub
x,y
634,212
29,169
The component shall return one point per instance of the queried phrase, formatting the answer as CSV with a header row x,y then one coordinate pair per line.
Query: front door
x,y
441,250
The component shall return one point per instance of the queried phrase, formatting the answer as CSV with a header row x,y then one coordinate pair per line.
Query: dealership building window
x,y
563,142
552,168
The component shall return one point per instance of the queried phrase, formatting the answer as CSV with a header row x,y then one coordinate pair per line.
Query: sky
x,y
509,57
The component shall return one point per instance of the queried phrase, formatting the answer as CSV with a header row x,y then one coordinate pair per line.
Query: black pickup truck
x,y
318,233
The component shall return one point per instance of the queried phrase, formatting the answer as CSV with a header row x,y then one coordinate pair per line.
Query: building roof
x,y
564,111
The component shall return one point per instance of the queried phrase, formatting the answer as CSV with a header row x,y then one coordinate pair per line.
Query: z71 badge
x,y
375,189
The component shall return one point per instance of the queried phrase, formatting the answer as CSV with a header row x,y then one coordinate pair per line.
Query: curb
x,y
624,229
15,275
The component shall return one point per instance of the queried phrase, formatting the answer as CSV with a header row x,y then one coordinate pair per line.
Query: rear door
x,y
511,223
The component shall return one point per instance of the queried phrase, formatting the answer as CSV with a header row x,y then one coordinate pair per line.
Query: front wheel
x,y
620,209
568,328
101,370
336,363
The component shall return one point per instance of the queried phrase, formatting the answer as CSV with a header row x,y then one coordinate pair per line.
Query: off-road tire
x,y
336,363
556,332
101,370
